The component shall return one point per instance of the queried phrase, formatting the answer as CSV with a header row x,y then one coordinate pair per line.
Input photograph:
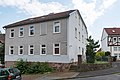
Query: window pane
x,y
21,51
43,45
56,45
31,51
115,48
43,51
56,28
56,50
11,52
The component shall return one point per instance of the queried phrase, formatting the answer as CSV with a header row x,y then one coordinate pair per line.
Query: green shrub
x,y
33,68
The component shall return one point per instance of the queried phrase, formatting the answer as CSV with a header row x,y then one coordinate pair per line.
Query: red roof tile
x,y
44,18
112,31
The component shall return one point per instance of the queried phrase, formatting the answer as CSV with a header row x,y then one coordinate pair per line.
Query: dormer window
x,y
113,31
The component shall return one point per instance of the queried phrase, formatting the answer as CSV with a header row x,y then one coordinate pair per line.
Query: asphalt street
x,y
106,77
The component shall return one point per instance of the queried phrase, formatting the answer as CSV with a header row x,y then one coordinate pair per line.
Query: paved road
x,y
106,77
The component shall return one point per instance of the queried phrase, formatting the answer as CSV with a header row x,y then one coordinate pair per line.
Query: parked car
x,y
2,66
10,74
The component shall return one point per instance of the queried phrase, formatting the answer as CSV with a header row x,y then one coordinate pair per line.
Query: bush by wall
x,y
32,68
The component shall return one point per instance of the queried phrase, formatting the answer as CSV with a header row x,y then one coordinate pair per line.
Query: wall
x,y
73,44
36,40
104,43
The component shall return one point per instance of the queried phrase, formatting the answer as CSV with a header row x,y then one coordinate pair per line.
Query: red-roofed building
x,y
110,41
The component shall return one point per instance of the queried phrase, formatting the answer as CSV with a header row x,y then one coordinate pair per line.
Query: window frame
x,y
56,47
11,49
116,48
79,36
20,31
31,29
19,50
12,32
75,32
41,49
29,50
57,24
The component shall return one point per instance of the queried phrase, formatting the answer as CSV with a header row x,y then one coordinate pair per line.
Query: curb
x,y
75,77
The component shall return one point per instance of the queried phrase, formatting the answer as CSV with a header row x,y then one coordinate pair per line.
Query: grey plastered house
x,y
56,37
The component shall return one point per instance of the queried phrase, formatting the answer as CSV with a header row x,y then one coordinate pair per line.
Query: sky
x,y
97,14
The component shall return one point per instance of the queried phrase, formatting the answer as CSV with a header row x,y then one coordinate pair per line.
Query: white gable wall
x,y
73,43
104,41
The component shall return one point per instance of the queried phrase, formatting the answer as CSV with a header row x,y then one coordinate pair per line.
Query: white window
x,y
115,48
56,49
114,39
82,39
79,50
11,50
31,50
56,27
21,32
115,54
12,33
79,36
118,48
20,50
75,32
31,31
43,50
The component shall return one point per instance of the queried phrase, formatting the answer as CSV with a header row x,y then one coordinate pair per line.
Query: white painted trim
x,y
29,50
20,30
58,25
19,50
10,33
41,49
33,29
10,50
54,48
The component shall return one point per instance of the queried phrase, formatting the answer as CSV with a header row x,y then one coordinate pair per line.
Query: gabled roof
x,y
44,18
112,31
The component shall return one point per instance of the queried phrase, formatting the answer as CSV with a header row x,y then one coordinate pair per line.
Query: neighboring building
x,y
2,38
110,41
57,38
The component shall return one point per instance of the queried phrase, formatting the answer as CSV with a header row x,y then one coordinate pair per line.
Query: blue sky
x,y
97,14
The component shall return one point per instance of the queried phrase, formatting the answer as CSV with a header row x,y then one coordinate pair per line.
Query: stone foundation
x,y
59,67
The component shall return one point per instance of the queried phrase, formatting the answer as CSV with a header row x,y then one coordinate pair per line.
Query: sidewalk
x,y
58,75
99,72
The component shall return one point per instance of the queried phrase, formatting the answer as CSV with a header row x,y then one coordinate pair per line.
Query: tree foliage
x,y
100,54
2,50
90,49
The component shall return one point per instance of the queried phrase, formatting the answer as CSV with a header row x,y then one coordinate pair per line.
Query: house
x,y
56,38
110,41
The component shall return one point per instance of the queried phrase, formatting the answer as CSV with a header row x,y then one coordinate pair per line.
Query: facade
x,y
56,37
110,41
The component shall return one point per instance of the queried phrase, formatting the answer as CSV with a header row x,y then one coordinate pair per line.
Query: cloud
x,y
34,7
91,11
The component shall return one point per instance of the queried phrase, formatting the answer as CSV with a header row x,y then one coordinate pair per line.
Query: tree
x,y
90,49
